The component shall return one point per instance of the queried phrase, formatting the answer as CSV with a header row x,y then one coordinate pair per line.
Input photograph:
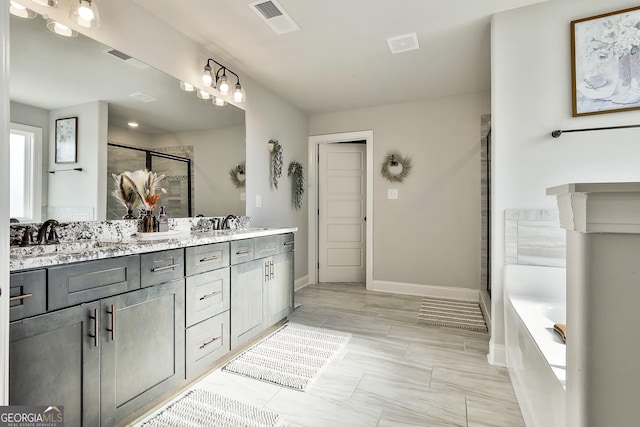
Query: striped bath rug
x,y
201,408
290,357
452,313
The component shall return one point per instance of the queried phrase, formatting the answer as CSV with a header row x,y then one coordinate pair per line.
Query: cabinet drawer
x,y
199,259
242,251
286,242
207,294
28,294
266,246
91,280
207,342
161,267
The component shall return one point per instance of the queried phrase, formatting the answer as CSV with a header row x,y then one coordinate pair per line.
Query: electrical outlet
x,y
392,193
258,201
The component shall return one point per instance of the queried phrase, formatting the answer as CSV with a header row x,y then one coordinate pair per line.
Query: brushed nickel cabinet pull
x,y
20,297
266,271
244,252
212,294
208,343
271,270
113,322
289,243
95,327
210,258
166,267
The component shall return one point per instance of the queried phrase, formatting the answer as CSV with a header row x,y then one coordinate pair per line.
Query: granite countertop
x,y
36,256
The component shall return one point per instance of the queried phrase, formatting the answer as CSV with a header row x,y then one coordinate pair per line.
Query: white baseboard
x,y
462,294
497,354
301,282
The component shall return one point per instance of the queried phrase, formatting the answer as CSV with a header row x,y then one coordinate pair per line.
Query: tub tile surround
x,y
84,241
534,237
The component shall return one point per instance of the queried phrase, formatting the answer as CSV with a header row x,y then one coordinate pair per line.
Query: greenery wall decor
x,y
395,168
276,161
296,172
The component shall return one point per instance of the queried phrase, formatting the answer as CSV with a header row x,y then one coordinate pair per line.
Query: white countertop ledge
x,y
39,256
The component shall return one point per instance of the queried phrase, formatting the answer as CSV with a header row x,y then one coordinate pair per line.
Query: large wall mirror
x,y
54,77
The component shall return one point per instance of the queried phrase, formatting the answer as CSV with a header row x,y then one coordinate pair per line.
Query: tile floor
x,y
393,372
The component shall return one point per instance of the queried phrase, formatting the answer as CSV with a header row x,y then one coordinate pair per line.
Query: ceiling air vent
x,y
275,16
126,58
403,43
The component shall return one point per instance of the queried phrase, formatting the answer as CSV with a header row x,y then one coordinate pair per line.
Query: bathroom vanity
x,y
105,330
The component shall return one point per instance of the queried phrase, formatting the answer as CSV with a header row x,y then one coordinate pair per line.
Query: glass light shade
x,y
238,94
60,29
219,101
85,13
206,76
20,11
223,85
203,94
47,3
187,87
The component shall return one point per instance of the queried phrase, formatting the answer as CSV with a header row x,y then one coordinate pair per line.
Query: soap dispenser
x,y
163,220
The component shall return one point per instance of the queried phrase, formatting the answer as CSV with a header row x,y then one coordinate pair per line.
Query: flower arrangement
x,y
138,189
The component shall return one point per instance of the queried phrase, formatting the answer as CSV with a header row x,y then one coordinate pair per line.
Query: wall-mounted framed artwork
x,y
605,53
67,140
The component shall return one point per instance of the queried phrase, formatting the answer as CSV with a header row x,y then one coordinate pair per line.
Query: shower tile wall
x,y
534,237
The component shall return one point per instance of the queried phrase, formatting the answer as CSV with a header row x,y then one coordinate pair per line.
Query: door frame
x,y
336,138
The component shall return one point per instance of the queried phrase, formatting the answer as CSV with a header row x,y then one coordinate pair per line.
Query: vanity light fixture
x,y
187,87
20,11
60,29
218,79
203,94
219,101
85,13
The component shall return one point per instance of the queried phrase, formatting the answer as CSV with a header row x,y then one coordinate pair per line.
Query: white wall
x,y
430,236
531,96
130,29
123,136
87,188
215,151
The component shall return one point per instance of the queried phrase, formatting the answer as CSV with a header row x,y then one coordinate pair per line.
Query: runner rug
x,y
453,314
201,408
291,357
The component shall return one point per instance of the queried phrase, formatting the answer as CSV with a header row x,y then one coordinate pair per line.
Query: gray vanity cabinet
x,y
207,306
54,359
28,294
247,303
261,289
142,348
279,288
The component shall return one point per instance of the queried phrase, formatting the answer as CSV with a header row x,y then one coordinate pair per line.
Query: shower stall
x,y
177,181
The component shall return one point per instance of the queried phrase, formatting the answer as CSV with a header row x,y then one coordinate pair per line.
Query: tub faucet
x,y
44,238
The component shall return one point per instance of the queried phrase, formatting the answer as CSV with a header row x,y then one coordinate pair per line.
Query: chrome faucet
x,y
44,238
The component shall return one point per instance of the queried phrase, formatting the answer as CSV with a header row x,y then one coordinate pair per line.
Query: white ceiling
x,y
340,59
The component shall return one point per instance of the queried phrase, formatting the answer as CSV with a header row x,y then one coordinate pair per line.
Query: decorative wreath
x,y
296,172
238,176
276,161
395,168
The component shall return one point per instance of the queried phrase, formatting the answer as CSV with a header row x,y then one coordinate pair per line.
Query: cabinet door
x,y
54,360
247,314
142,348
280,287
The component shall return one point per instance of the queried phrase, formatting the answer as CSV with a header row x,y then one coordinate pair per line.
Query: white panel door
x,y
342,210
